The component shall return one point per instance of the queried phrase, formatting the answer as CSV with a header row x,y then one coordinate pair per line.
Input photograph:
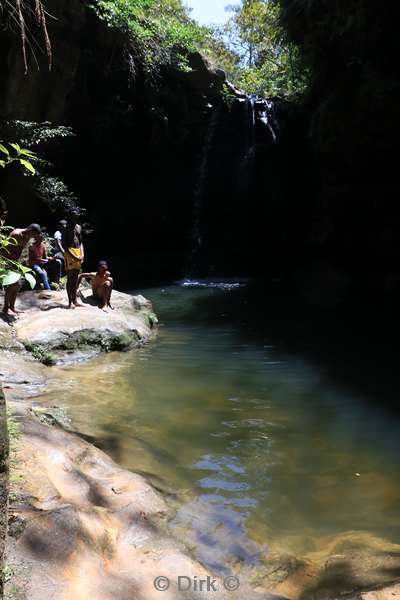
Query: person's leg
x,y
110,286
53,270
58,270
100,295
41,273
10,297
72,288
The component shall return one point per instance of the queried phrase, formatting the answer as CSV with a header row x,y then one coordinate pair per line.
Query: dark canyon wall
x,y
176,178
352,48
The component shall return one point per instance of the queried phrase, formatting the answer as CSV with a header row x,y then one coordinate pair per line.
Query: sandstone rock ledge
x,y
83,528
80,527
51,332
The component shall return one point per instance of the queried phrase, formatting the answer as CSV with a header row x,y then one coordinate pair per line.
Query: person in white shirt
x,y
59,251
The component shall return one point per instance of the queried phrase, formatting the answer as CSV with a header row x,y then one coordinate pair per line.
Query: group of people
x,y
68,254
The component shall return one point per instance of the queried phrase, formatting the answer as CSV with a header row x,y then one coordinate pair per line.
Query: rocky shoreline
x,y
80,526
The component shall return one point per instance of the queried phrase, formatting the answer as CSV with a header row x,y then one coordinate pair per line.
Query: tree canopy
x,y
251,47
263,61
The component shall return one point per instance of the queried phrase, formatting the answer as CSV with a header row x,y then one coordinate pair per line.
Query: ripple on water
x,y
265,447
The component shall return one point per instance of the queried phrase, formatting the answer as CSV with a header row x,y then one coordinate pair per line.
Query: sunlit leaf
x,y
30,279
10,278
24,269
4,149
28,153
27,165
16,147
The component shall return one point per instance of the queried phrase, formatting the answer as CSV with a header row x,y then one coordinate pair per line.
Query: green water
x,y
255,448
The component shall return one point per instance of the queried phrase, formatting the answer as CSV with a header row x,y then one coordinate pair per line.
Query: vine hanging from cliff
x,y
23,15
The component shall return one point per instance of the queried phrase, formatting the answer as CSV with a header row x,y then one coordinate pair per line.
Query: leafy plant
x,y
162,30
11,270
268,64
15,154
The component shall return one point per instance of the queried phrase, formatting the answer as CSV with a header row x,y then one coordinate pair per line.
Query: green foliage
x,y
30,133
13,153
56,194
162,30
11,271
41,354
252,48
268,63
51,190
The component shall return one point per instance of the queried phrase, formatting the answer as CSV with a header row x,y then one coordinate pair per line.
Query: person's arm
x,y
82,258
59,246
32,258
88,276
44,258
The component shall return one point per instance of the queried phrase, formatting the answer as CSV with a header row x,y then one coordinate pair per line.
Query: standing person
x,y
13,253
74,257
40,262
102,284
59,251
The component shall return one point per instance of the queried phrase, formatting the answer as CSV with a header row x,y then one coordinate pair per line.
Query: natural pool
x,y
256,448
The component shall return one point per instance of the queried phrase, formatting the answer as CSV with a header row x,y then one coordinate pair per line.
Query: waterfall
x,y
200,188
267,116
236,135
261,128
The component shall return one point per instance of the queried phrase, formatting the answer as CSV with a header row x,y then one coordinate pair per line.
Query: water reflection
x,y
254,446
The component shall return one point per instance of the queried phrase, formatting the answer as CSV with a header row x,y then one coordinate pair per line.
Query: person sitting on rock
x,y
12,253
41,263
102,284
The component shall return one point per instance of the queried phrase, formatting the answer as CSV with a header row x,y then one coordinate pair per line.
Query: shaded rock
x,y
347,564
203,77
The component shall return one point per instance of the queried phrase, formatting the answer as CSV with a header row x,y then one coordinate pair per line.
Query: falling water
x,y
267,116
251,124
199,192
260,129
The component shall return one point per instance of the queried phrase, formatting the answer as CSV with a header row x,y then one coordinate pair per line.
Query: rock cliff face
x,y
327,191
354,129
133,161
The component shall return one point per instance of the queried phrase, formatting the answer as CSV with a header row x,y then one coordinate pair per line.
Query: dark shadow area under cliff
x,y
353,342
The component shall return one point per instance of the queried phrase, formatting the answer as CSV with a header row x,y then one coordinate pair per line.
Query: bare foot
x,y
71,306
7,316
103,308
79,304
109,306
16,311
